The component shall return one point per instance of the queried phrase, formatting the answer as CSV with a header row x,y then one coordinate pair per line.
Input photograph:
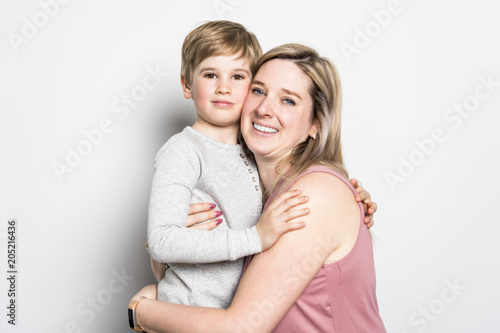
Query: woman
x,y
317,279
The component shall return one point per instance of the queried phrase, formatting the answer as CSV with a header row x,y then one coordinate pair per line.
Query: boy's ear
x,y
186,88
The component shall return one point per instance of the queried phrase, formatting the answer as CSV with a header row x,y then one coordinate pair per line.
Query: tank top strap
x,y
311,169
321,168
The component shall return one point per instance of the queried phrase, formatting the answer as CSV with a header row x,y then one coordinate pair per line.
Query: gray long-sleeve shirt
x,y
205,266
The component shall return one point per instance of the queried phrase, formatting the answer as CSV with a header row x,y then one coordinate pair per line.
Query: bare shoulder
x,y
324,186
335,214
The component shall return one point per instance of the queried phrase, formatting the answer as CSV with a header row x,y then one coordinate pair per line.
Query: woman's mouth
x,y
264,129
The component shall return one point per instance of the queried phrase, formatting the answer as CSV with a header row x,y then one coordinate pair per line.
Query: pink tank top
x,y
341,297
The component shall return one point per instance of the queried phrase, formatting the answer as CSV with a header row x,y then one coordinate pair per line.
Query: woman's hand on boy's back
x,y
203,212
275,220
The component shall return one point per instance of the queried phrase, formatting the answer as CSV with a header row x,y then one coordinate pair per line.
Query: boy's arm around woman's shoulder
x,y
177,171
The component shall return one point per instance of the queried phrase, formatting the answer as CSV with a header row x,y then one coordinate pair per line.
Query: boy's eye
x,y
289,101
238,77
257,91
210,75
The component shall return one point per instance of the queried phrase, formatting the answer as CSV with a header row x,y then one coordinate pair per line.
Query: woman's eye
x,y
257,91
289,101
210,75
238,77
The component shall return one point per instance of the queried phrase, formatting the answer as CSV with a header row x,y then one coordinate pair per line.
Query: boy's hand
x,y
369,206
203,212
273,222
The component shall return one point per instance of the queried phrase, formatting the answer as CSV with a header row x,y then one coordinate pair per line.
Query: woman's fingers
x,y
207,225
202,217
201,213
200,207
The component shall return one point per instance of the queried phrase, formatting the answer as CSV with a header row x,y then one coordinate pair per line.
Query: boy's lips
x,y
222,103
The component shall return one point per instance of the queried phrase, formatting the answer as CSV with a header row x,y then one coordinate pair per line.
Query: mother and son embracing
x,y
288,248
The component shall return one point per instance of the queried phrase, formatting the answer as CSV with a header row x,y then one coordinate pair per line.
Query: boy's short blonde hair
x,y
216,38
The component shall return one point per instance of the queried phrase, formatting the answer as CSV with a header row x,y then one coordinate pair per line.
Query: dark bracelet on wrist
x,y
132,315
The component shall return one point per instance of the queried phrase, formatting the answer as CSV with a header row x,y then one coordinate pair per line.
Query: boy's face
x,y
219,87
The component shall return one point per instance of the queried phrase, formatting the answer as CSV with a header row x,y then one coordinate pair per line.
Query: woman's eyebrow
x,y
259,83
286,91
291,93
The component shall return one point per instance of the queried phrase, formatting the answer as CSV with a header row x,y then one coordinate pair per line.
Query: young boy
x,y
205,163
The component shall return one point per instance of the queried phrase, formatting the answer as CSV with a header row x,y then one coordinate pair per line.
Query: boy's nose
x,y
223,88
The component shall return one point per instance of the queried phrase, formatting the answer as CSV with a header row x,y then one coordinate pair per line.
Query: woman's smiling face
x,y
277,114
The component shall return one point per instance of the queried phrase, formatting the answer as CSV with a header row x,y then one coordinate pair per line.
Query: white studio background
x,y
91,88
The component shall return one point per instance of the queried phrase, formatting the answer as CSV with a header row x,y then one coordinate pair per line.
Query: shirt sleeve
x,y
177,170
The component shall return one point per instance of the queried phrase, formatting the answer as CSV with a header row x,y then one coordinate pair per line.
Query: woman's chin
x,y
261,149
258,149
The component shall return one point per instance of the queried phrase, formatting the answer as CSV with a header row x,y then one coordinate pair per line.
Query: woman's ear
x,y
313,132
186,89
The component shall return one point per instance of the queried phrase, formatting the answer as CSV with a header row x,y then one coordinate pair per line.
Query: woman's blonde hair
x,y
326,93
216,38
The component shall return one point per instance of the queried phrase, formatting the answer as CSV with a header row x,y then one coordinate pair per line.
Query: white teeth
x,y
264,129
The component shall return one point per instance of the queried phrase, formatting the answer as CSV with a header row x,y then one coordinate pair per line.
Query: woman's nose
x,y
265,108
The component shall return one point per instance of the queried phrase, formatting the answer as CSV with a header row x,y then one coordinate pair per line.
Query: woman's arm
x,y
202,217
275,278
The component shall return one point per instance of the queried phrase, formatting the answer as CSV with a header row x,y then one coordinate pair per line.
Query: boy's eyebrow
x,y
242,70
214,69
207,69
